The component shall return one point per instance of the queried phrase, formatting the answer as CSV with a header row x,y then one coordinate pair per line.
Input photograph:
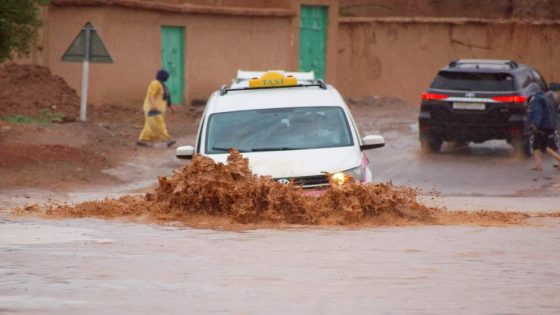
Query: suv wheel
x,y
524,145
430,144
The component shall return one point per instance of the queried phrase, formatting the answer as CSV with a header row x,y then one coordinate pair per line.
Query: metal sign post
x,y
85,74
86,48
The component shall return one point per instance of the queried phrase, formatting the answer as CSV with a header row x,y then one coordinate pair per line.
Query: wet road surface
x,y
92,266
488,175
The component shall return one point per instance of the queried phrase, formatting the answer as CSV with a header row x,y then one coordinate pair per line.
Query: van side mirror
x,y
372,142
185,152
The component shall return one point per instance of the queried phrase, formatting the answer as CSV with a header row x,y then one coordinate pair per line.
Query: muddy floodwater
x,y
419,259
90,266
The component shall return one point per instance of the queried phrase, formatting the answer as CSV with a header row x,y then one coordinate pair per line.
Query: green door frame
x,y
173,60
313,39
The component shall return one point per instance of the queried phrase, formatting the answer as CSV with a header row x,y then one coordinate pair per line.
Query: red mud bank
x,y
211,195
30,90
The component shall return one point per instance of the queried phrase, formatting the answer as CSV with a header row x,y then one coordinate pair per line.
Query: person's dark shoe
x,y
170,143
141,143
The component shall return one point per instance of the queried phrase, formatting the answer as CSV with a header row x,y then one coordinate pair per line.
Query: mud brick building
x,y
204,42
202,45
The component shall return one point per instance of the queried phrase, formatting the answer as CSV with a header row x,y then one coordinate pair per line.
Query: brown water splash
x,y
209,194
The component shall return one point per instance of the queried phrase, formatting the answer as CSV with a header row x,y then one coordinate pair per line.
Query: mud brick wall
x,y
220,38
400,56
216,46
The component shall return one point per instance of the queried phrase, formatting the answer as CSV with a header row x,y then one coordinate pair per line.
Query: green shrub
x,y
45,117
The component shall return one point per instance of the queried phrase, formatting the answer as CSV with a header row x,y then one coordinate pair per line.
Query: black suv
x,y
478,100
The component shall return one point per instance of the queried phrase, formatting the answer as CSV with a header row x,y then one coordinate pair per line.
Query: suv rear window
x,y
473,81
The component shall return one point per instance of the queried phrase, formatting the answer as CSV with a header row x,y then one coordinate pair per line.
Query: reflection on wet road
x,y
92,266
483,171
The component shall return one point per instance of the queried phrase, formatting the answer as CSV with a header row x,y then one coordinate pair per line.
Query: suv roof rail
x,y
483,63
320,83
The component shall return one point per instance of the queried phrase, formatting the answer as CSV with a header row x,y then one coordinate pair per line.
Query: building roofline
x,y
440,20
177,8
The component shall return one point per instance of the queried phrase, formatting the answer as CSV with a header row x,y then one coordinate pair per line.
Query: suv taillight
x,y
433,96
510,99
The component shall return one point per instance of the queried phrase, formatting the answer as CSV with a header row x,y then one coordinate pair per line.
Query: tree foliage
x,y
19,20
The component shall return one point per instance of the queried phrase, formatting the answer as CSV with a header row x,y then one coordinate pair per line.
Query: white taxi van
x,y
290,127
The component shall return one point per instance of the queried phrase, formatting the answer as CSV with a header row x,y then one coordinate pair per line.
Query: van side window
x,y
199,136
539,80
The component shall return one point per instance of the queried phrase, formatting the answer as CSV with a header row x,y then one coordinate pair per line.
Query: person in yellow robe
x,y
156,102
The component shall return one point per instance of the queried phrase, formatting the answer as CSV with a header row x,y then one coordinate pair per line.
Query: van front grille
x,y
316,181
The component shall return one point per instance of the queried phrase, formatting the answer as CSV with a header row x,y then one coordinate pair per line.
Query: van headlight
x,y
341,177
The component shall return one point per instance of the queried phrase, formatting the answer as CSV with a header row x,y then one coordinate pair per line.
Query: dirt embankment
x,y
229,196
44,147
31,90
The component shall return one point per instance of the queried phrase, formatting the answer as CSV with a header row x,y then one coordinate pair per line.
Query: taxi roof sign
x,y
271,79
248,75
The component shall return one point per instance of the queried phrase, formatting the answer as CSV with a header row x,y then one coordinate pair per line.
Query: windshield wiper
x,y
227,149
272,149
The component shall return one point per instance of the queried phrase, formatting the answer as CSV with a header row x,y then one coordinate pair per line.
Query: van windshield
x,y
278,129
468,81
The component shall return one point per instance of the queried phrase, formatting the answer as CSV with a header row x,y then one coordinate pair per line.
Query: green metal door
x,y
313,39
173,60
